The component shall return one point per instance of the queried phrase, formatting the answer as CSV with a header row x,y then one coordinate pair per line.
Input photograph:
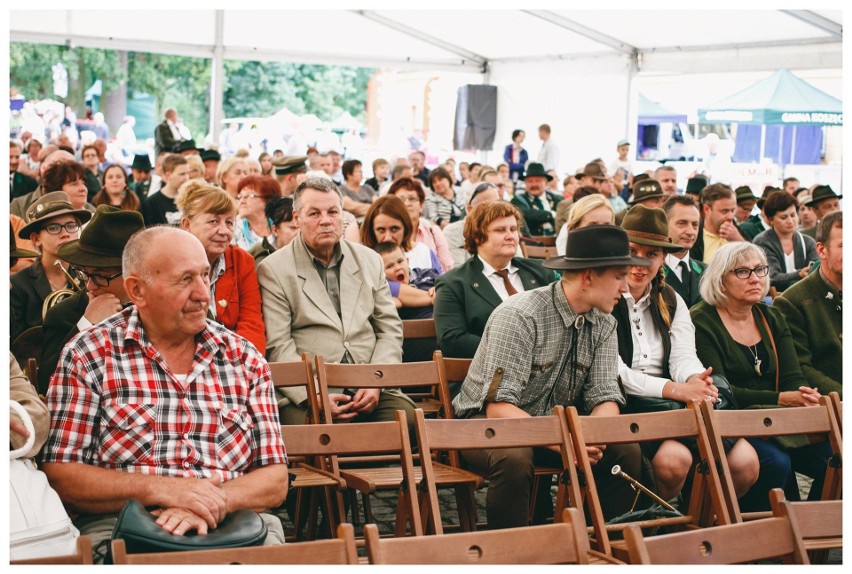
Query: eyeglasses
x,y
242,196
56,228
409,198
96,278
745,272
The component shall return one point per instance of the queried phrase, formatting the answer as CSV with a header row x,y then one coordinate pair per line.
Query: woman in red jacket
x,y
209,213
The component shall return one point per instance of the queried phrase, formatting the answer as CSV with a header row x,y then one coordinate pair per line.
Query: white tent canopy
x,y
595,53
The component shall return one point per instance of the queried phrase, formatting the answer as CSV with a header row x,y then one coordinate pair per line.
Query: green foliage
x,y
251,88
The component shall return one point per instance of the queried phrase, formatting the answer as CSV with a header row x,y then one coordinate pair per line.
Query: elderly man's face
x,y
668,181
176,296
320,219
536,185
826,206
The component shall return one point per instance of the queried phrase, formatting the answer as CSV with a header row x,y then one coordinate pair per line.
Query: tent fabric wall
x,y
476,117
585,102
779,144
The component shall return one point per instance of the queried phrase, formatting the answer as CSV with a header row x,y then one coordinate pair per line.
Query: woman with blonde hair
x,y
593,209
229,173
196,166
209,213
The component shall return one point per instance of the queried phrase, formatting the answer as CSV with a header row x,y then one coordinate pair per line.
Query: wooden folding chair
x,y
453,435
340,550
419,343
455,372
366,478
819,522
767,423
83,555
419,340
770,538
564,542
537,251
638,428
309,477
837,405
339,440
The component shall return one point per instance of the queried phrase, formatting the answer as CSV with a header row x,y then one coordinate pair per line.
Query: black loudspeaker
x,y
476,117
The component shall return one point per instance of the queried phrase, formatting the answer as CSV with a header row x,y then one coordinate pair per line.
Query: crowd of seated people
x,y
183,289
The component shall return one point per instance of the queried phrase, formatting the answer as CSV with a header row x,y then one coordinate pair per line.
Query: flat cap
x,y
289,164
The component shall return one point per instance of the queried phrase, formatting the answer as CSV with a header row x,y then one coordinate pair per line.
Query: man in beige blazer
x,y
330,297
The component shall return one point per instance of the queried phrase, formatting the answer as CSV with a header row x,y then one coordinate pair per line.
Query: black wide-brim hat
x,y
102,242
596,246
649,226
536,169
142,162
822,192
47,207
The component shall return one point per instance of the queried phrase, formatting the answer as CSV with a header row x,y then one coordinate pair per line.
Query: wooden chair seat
x,y
378,478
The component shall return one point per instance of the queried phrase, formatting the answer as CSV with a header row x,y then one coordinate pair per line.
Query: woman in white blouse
x,y
656,345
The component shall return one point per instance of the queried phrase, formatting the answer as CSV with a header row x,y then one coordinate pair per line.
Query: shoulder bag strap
x,y
774,349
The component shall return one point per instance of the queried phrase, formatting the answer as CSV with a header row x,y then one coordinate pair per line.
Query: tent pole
x,y
762,142
793,147
781,148
217,110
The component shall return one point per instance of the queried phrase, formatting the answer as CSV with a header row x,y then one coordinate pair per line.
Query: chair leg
x,y
466,504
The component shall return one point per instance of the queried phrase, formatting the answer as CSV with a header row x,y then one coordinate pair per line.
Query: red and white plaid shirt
x,y
115,404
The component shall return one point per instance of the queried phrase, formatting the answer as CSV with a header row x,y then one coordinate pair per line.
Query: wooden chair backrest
x,y
545,240
644,427
83,555
453,435
564,542
456,369
766,423
730,544
298,374
340,550
418,329
537,251
818,519
837,404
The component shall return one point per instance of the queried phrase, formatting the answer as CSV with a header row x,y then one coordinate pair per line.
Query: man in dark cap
x,y
555,345
290,171
279,210
211,159
758,223
536,203
694,185
823,201
743,217
187,148
97,259
140,169
647,192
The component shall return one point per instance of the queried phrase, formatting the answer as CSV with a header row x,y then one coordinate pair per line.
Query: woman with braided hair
x,y
656,346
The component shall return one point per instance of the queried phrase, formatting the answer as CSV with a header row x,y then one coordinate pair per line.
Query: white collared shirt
x,y
497,281
673,263
644,377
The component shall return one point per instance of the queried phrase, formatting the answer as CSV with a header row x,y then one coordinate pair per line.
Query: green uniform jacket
x,y
812,310
465,299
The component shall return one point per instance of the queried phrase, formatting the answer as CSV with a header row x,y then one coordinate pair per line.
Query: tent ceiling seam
x,y
423,37
585,31
817,21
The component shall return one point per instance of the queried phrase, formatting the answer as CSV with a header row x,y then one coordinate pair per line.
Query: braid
x,y
657,285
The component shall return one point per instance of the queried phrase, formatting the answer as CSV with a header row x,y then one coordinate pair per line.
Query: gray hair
x,y
318,184
134,254
727,258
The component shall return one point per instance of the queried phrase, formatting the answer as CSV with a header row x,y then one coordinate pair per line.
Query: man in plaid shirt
x,y
158,404
554,345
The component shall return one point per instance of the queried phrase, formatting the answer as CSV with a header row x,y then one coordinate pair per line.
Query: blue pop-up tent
x,y
780,117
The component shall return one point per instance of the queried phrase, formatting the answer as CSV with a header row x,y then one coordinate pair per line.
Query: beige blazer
x,y
22,391
300,316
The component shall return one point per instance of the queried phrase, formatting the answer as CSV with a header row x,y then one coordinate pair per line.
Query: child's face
x,y
382,171
396,266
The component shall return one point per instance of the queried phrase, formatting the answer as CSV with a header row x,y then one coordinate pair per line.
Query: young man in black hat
x,y
97,259
536,203
554,345
647,192
211,159
140,170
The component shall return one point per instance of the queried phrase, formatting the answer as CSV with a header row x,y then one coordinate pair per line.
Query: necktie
x,y
686,279
537,203
504,274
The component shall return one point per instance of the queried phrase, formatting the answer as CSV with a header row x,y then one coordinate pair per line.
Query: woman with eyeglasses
x,y
410,191
51,222
252,225
115,190
749,343
210,213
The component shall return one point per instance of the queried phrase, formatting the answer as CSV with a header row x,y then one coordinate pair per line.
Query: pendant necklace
x,y
752,350
757,361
